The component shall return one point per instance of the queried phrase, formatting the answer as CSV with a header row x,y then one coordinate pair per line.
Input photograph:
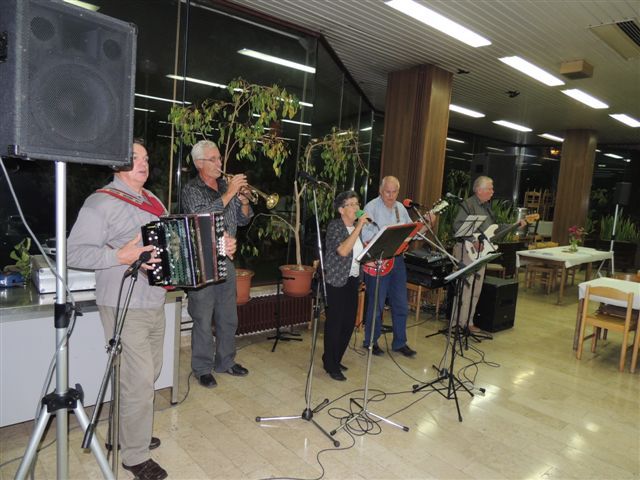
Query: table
x,y
623,285
563,259
27,343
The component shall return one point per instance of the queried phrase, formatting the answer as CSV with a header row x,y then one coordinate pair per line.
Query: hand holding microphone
x,y
361,215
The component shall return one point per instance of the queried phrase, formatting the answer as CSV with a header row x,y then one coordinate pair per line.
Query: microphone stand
x,y
321,295
112,372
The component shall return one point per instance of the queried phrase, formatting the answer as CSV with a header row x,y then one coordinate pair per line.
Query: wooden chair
x,y
599,321
496,270
532,201
545,274
414,298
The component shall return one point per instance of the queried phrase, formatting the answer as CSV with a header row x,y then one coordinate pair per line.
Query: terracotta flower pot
x,y
296,280
243,285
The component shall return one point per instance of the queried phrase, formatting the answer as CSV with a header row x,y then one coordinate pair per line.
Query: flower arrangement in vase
x,y
576,235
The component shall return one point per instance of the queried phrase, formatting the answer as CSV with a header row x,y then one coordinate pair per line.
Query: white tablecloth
x,y
623,285
583,255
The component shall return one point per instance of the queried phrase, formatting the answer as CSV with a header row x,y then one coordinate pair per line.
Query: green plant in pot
x,y
333,159
245,126
20,254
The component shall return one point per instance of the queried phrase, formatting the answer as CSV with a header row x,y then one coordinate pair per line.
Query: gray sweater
x,y
104,225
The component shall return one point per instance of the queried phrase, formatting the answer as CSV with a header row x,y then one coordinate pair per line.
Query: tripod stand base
x,y
363,414
451,388
307,414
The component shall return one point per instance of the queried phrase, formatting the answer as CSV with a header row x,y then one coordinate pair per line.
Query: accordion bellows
x,y
190,247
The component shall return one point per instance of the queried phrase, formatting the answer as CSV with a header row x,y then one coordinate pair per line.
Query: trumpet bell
x,y
272,200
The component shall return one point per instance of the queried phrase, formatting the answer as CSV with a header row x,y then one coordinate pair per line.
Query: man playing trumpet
x,y
210,192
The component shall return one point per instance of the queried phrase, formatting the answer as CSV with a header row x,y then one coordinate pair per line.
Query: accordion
x,y
190,247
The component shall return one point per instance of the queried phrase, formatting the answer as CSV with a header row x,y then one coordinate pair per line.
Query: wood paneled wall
x,y
574,183
415,131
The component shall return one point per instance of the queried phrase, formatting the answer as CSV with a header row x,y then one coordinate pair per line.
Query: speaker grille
x,y
74,84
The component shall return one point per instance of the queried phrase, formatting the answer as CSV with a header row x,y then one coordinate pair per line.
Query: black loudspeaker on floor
x,y
496,309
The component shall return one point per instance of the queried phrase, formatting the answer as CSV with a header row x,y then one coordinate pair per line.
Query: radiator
x,y
260,313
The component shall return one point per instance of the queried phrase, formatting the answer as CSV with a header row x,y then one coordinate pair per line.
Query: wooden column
x,y
574,182
415,131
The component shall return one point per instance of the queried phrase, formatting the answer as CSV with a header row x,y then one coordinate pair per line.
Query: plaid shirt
x,y
198,197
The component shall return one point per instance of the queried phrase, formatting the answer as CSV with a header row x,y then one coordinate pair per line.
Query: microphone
x,y
310,178
451,196
143,258
408,203
359,213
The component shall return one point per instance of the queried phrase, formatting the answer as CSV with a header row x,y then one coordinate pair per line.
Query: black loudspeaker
x,y
67,80
496,309
623,193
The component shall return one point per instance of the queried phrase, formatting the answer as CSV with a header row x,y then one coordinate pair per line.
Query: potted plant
x,y
332,159
505,212
244,125
19,273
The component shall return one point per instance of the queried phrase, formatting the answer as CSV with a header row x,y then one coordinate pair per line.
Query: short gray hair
x,y
197,151
390,179
481,182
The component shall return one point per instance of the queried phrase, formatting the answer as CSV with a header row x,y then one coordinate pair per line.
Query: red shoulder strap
x,y
151,205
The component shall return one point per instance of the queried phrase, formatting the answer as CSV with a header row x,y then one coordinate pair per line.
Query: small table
x,y
622,285
562,258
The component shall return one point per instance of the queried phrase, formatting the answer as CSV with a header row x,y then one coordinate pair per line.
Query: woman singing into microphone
x,y
342,274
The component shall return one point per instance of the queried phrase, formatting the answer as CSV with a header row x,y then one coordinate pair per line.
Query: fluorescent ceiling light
x,y
612,155
531,70
585,98
512,125
197,80
465,111
366,129
626,119
278,60
305,104
460,158
601,165
144,110
161,99
548,136
455,140
495,149
296,123
628,160
85,5
439,22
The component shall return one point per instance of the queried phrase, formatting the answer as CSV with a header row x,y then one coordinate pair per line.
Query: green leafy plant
x,y
459,183
20,254
331,159
243,125
626,229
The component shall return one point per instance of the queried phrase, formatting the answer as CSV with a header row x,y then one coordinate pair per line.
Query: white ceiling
x,y
372,40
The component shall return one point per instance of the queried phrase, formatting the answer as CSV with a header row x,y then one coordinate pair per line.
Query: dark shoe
x,y
337,376
148,470
406,351
342,367
377,351
207,380
237,370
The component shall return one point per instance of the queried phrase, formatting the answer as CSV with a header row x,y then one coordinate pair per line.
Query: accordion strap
x,y
150,203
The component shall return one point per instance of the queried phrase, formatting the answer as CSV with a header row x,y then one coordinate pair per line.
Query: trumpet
x,y
252,194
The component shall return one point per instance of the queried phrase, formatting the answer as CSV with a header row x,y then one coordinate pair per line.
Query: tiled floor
x,y
544,414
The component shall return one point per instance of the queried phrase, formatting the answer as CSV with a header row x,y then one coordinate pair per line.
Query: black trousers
x,y
342,305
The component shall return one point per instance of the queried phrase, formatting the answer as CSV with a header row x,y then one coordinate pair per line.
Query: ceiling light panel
x,y
532,70
513,126
626,119
465,111
439,22
585,98
280,61
549,136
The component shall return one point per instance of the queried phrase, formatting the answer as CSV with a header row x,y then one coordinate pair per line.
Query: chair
x,y
599,320
532,200
414,298
546,274
496,270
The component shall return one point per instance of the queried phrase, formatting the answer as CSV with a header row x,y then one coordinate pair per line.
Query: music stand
x,y
470,225
453,382
390,241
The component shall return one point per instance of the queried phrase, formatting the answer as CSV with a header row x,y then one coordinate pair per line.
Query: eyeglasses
x,y
352,204
211,159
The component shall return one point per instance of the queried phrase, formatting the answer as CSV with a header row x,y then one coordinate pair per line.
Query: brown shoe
x,y
148,470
